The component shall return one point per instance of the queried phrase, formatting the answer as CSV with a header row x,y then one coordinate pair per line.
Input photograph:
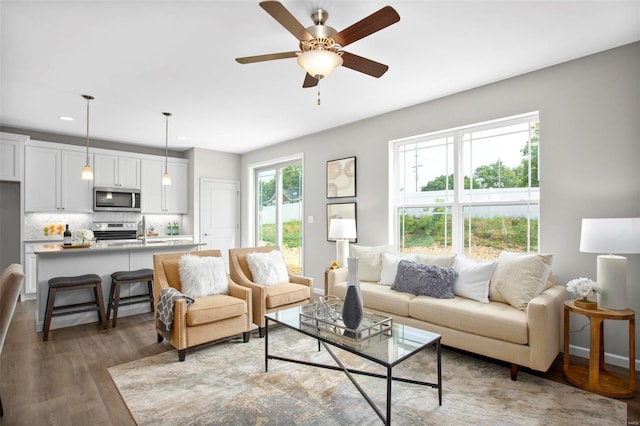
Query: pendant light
x,y
166,177
87,171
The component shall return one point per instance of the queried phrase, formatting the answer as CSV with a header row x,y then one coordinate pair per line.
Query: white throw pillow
x,y
519,277
473,279
370,261
202,275
390,265
444,260
268,268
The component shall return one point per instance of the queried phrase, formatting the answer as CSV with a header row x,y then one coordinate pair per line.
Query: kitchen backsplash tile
x,y
35,223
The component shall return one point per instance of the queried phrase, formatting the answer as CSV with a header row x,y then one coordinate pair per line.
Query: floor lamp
x,y
342,230
614,236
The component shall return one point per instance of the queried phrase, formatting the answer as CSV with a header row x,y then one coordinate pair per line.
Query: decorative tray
x,y
325,316
72,246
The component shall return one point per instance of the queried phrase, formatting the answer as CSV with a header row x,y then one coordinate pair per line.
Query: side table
x,y
595,377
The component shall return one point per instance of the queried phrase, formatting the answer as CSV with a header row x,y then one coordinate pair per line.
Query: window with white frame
x,y
473,190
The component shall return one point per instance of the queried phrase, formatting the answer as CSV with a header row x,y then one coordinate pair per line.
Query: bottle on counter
x,y
67,236
176,228
169,229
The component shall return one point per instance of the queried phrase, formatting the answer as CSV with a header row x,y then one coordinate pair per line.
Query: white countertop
x,y
57,248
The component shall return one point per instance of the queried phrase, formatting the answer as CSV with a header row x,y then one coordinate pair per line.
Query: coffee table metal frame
x,y
327,342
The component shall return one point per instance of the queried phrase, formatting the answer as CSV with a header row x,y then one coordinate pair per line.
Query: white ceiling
x,y
140,58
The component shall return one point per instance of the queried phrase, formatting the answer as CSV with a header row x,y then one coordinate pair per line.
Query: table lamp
x,y
614,236
342,230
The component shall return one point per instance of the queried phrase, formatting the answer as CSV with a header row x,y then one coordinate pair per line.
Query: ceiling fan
x,y
321,46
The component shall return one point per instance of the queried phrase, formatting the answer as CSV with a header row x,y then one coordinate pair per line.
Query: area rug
x,y
225,383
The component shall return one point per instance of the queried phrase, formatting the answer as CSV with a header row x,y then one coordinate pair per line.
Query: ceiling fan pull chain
x,y
318,98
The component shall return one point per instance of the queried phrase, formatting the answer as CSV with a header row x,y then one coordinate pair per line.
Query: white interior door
x,y
220,215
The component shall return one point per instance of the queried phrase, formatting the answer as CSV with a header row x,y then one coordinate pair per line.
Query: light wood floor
x,y
64,381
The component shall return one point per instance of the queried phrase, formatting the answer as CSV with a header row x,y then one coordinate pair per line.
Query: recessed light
x,y
227,134
182,138
65,118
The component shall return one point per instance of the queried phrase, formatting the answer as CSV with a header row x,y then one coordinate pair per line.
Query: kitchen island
x,y
103,259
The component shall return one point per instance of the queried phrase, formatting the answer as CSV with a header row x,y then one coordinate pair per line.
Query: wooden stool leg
x,y
51,297
116,301
100,302
150,288
110,304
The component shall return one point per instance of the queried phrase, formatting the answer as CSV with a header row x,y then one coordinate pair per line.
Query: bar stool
x,y
128,277
73,283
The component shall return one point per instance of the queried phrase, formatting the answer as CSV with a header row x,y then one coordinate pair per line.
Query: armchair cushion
x,y
203,275
208,309
285,294
268,268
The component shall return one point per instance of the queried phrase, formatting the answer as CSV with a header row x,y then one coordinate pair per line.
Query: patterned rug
x,y
225,383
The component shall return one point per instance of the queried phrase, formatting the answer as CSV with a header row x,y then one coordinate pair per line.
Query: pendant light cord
x,y
166,142
88,98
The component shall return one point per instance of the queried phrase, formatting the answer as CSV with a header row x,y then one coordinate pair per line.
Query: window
x,y
472,190
279,210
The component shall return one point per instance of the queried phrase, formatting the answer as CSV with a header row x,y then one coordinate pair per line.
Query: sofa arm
x,y
299,279
336,276
243,293
545,322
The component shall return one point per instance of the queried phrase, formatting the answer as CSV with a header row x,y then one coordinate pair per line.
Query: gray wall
x,y
589,155
9,223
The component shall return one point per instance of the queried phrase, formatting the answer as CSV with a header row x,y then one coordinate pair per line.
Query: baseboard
x,y
609,358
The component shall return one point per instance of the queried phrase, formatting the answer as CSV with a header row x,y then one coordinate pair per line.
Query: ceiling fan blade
x,y
367,26
269,57
286,19
309,81
364,65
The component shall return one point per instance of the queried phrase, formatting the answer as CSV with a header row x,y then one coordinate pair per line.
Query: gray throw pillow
x,y
425,280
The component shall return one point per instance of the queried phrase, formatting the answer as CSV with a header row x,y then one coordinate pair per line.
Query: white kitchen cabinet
x,y
113,171
158,198
30,273
53,181
11,147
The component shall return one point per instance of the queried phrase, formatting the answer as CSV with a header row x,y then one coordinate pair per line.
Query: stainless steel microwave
x,y
116,200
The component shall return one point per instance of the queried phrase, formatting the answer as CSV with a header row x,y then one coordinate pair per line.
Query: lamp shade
x,y
342,229
610,235
319,63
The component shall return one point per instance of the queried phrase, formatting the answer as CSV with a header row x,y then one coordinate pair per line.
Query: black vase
x,y
352,311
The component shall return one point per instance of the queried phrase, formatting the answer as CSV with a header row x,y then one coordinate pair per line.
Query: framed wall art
x,y
341,178
341,211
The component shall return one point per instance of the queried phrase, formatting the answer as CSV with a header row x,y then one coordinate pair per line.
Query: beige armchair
x,y
272,298
207,319
10,283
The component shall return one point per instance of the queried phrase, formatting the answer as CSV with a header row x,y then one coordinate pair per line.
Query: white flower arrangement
x,y
583,287
83,236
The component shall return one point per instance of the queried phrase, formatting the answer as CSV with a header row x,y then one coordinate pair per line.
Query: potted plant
x,y
584,287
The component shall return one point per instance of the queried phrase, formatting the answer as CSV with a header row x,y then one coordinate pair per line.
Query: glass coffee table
x,y
387,345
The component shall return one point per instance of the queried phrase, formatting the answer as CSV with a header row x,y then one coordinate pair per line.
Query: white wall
x,y
589,162
205,163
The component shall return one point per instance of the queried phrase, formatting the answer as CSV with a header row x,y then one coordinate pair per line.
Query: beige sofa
x,y
529,337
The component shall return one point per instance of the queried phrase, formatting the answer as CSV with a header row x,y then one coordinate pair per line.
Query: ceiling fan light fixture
x,y
319,63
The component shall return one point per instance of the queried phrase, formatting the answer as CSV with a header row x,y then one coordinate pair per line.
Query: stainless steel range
x,y
109,231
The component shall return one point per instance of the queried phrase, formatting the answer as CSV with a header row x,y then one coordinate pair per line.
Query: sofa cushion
x,y
285,294
202,276
494,320
268,268
379,297
519,277
473,279
208,309
445,260
370,261
390,265
426,280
